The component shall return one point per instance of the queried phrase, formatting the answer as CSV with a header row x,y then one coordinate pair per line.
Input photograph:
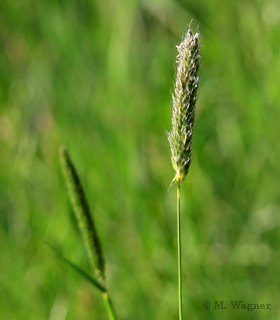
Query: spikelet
x,y
184,101
83,215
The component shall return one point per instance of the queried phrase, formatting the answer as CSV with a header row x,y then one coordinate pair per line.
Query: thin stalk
x,y
109,307
179,254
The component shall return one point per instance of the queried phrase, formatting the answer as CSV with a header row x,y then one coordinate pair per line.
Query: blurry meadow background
x,y
97,76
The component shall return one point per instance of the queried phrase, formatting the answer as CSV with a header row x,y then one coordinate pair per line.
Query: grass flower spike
x,y
88,230
184,100
180,137
83,215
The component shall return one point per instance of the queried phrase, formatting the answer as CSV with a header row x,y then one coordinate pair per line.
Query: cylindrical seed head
x,y
184,101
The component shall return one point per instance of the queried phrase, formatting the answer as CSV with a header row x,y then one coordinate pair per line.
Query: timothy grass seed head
x,y
184,101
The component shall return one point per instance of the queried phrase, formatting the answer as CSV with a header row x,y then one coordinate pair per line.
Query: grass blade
x,y
83,273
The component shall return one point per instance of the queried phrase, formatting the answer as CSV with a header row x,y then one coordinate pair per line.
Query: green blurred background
x,y
97,76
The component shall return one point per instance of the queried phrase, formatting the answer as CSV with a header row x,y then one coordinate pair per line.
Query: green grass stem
x,y
179,254
109,307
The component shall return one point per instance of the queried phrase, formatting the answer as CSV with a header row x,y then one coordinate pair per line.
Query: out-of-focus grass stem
x,y
109,307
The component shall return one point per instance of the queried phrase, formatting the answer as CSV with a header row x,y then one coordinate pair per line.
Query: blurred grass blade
x,y
84,274
82,212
